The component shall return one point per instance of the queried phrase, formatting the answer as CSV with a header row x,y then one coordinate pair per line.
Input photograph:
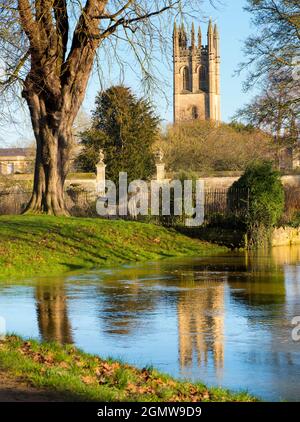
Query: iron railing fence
x,y
83,203
219,204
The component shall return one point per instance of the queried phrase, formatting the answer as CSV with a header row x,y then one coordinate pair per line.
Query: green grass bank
x,y
77,376
43,245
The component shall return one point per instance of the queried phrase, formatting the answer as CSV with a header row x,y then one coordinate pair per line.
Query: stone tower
x,y
196,75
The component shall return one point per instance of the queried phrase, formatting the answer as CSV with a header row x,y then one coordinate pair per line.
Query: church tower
x,y
196,75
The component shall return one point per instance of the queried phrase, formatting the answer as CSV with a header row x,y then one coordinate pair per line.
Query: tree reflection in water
x,y
52,312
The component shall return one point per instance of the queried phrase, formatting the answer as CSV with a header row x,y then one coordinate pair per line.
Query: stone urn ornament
x,y
159,155
101,157
160,166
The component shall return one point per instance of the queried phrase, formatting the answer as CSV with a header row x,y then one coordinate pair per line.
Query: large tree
x,y
273,60
275,45
126,128
50,46
275,110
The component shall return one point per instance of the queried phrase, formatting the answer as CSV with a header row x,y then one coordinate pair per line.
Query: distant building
x,y
289,158
196,75
16,160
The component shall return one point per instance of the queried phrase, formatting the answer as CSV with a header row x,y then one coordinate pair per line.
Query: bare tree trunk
x,y
53,133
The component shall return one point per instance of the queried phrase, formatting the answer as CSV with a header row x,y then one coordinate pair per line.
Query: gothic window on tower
x,y
185,79
202,78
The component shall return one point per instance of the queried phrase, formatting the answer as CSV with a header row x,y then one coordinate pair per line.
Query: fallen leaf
x,y
87,379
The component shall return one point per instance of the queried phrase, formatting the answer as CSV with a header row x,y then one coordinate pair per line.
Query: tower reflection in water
x,y
201,322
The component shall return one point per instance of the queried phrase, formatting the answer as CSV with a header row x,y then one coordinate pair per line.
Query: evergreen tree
x,y
126,128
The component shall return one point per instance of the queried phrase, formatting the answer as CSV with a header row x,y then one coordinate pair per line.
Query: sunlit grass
x,y
82,377
42,245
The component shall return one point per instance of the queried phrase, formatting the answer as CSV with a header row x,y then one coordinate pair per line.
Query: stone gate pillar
x,y
160,166
100,180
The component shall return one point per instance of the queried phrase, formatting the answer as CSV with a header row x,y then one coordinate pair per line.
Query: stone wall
x,y
87,184
286,236
226,182
293,181
210,182
219,182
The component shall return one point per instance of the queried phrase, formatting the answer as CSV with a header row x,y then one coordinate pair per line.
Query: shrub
x,y
261,200
294,221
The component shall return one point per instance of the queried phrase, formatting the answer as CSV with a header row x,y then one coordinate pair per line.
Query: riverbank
x,y
39,245
53,372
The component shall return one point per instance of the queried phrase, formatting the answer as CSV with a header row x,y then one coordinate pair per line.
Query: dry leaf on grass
x,y
87,379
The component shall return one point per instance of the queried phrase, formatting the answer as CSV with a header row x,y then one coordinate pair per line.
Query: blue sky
x,y
234,26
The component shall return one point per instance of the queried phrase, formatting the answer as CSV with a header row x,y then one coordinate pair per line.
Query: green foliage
x,y
295,221
261,197
183,175
126,128
91,141
241,127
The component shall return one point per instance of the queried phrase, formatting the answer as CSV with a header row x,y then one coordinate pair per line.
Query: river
x,y
225,320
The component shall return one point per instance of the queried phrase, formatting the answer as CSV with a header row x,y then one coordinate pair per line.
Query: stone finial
x,y
101,157
159,155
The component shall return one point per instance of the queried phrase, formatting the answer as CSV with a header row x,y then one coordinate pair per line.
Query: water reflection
x,y
225,319
260,280
52,312
200,322
122,303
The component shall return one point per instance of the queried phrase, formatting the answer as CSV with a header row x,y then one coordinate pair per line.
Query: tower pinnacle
x,y
210,27
175,28
216,41
199,37
210,36
216,32
193,36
